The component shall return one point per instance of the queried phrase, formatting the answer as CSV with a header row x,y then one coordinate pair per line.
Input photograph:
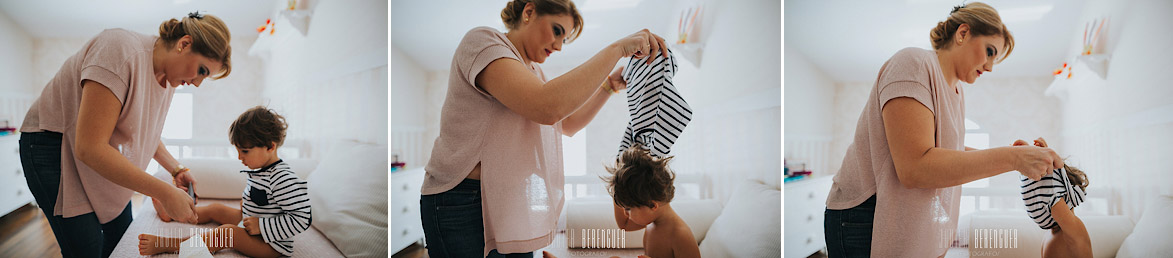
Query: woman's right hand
x,y
1034,162
642,43
179,206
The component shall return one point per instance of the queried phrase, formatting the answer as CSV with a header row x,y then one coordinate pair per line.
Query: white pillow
x,y
222,179
348,195
1150,237
749,225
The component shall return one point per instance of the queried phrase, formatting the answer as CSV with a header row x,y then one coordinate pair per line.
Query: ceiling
x,y
85,18
429,31
850,40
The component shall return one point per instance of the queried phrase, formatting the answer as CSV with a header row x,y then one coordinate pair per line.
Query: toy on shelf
x,y
395,163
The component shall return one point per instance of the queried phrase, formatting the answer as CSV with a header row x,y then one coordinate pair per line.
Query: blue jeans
x,y
81,236
454,225
849,232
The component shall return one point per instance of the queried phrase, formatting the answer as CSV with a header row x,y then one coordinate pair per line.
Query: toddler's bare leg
x,y
218,213
151,244
230,236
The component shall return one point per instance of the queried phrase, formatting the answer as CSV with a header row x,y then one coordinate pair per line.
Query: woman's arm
x,y
165,159
517,88
510,82
910,131
171,165
579,120
96,119
583,116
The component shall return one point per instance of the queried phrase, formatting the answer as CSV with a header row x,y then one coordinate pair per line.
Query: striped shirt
x,y
658,113
1040,196
278,198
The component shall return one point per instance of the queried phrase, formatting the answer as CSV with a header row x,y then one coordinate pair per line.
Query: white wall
x,y
15,74
1120,129
409,110
810,113
331,84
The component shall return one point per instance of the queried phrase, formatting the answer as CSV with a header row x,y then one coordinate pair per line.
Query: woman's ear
x,y
184,42
962,33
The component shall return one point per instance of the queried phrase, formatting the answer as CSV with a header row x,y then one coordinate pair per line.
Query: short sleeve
x,y
481,46
907,74
106,61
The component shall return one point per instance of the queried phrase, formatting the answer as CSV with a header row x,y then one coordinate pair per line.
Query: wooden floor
x,y
25,233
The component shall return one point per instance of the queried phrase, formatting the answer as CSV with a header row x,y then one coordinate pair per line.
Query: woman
x,y
494,182
901,177
88,138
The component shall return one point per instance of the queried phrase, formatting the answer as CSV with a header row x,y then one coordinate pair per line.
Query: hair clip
x,y
957,8
195,14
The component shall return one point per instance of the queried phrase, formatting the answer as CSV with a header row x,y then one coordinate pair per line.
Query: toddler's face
x,y
640,215
254,157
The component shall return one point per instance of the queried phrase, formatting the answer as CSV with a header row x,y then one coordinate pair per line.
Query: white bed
x,y
348,194
310,243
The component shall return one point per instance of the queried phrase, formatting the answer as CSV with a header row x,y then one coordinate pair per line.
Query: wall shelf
x,y
299,20
1086,70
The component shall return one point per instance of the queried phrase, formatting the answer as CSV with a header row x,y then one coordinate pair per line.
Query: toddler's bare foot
x,y
151,244
159,210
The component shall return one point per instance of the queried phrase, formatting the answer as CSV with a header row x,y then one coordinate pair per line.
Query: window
x,y
179,117
977,138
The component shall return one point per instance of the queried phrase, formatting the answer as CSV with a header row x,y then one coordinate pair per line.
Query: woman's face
x,y
975,56
186,66
545,35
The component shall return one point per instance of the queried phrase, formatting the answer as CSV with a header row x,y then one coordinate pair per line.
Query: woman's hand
x,y
179,206
1034,162
641,44
616,80
252,226
182,178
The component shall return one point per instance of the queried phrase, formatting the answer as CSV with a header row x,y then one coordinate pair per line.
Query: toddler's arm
x,y
1072,239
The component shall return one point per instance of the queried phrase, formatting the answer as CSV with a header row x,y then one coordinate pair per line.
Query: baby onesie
x,y
1039,196
658,113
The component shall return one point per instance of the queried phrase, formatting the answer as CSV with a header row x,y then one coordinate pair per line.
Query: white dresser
x,y
406,227
14,191
805,201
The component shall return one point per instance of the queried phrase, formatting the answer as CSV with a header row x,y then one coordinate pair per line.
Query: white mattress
x,y
310,243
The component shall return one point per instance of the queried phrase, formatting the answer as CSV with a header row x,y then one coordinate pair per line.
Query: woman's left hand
x,y
182,178
616,80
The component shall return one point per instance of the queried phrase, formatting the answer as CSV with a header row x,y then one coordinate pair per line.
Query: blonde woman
x,y
96,126
494,182
897,192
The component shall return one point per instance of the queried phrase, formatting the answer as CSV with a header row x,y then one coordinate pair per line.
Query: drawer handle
x,y
405,210
405,187
809,240
404,233
810,195
810,218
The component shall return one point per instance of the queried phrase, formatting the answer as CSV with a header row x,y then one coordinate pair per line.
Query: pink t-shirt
x,y
120,60
908,222
521,160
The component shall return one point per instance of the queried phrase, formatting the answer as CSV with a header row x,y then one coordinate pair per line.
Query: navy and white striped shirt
x,y
279,200
1040,196
658,112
